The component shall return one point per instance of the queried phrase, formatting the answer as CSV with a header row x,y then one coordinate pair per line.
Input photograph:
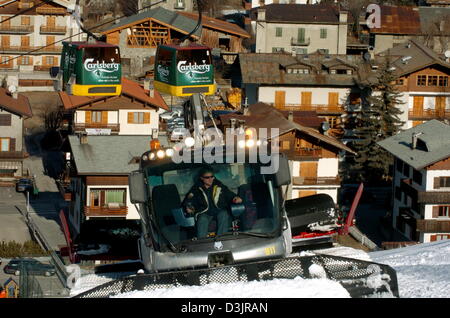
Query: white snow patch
x,y
317,271
423,270
278,288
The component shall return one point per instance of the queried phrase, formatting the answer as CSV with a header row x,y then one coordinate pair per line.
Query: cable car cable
x,y
71,36
199,21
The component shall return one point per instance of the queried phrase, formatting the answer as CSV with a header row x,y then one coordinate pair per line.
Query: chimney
x,y
151,93
154,133
291,116
245,107
261,15
233,124
15,95
343,16
83,139
414,140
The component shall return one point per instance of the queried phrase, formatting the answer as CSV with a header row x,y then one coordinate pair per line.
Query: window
x,y
108,198
417,177
96,117
421,80
406,170
398,193
400,82
443,81
279,32
301,35
277,49
444,211
5,120
323,33
4,144
49,60
24,60
444,182
432,80
138,118
324,51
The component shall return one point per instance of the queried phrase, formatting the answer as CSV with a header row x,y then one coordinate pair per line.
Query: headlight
x,y
160,154
189,142
170,152
152,156
250,143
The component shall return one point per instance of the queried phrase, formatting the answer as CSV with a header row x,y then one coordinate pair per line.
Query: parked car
x,y
32,266
178,134
25,185
171,114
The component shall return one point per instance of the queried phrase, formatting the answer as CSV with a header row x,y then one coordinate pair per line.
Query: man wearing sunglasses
x,y
208,200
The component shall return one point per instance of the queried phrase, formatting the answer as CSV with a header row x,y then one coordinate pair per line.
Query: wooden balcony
x,y
105,211
115,128
36,49
20,29
319,181
428,114
424,197
43,68
46,10
300,42
53,29
433,226
319,108
12,155
303,153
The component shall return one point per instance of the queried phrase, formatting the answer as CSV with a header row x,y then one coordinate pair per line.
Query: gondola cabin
x,y
184,70
91,69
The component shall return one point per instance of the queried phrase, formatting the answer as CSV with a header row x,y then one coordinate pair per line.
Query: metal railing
x,y
105,211
319,108
429,113
316,181
16,29
54,29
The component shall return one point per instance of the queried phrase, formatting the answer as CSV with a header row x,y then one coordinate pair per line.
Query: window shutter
x,y
12,144
437,184
146,118
88,119
130,117
435,212
104,118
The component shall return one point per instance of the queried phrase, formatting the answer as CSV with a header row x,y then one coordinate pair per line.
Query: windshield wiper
x,y
253,234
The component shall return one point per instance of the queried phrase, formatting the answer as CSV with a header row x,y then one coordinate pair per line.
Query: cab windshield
x,y
102,54
242,202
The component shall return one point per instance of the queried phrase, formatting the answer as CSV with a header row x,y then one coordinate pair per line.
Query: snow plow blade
x,y
359,278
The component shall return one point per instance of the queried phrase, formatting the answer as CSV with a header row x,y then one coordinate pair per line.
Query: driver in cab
x,y
208,200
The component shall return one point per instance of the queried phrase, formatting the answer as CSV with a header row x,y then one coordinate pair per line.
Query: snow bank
x,y
423,270
278,288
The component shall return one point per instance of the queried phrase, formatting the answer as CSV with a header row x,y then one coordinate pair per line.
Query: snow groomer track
x,y
359,278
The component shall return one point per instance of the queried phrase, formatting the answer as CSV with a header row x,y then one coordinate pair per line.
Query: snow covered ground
x,y
423,271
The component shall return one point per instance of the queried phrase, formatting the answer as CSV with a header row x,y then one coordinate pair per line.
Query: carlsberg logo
x,y
100,67
190,68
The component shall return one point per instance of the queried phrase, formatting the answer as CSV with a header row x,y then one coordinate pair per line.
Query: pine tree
x,y
378,120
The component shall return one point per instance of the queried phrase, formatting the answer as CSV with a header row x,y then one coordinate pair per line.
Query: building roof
x,y
129,88
108,155
412,56
299,13
274,66
434,135
12,7
217,24
431,17
20,106
261,115
398,20
165,17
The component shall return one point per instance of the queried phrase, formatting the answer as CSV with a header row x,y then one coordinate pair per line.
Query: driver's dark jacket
x,y
196,198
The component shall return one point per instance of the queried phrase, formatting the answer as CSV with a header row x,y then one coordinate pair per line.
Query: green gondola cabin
x,y
91,69
184,70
